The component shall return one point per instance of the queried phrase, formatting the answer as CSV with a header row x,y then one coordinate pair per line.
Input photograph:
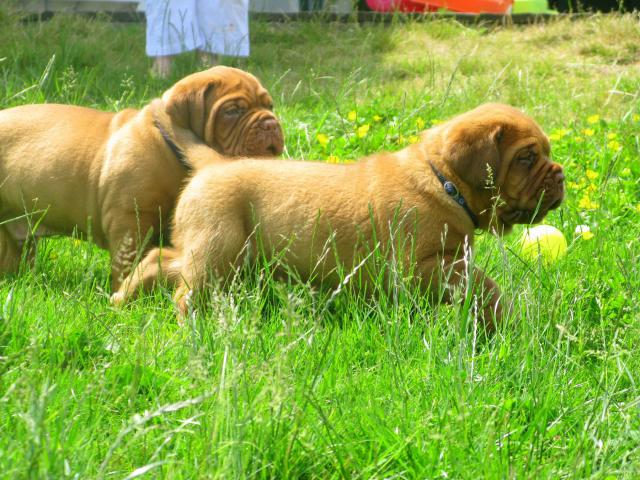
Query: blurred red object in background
x,y
471,6
407,6
461,6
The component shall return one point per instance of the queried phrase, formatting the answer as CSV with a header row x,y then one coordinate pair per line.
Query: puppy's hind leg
x,y
160,264
9,252
191,282
217,256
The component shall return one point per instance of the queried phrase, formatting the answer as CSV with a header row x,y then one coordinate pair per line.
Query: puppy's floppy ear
x,y
189,103
473,153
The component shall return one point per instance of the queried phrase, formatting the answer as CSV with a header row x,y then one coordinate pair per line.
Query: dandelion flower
x,y
414,138
377,118
322,139
584,232
586,203
333,159
614,145
588,132
558,134
363,130
352,115
420,123
591,119
591,175
636,118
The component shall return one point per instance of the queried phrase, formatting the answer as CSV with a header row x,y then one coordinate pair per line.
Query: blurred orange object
x,y
471,6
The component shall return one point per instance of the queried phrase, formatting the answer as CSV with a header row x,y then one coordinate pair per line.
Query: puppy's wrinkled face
x,y
530,184
505,157
229,110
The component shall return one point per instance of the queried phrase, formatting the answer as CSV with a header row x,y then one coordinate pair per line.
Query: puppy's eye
x,y
235,111
528,158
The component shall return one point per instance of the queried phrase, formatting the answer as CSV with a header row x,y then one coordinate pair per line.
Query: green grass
x,y
274,380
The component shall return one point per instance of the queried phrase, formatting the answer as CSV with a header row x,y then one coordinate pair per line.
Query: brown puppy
x,y
488,168
114,176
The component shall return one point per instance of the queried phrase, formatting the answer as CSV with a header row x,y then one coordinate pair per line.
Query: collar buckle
x,y
451,190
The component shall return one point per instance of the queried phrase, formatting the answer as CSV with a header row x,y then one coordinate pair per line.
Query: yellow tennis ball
x,y
543,241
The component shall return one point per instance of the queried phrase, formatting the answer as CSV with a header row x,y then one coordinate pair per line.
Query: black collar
x,y
177,151
453,192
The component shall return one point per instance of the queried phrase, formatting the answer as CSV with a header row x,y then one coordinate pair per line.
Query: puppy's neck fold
x,y
190,151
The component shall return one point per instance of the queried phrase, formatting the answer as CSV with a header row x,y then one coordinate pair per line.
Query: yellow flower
x,y
558,134
414,138
352,115
322,139
401,139
573,185
419,123
593,119
588,132
636,117
592,188
591,175
333,159
638,208
586,203
611,135
363,130
377,118
614,145
583,232
626,172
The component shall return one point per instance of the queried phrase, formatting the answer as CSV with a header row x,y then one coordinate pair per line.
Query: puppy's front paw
x,y
492,312
183,299
117,299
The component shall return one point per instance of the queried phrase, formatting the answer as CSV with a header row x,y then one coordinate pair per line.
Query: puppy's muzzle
x,y
546,192
550,194
553,188
264,137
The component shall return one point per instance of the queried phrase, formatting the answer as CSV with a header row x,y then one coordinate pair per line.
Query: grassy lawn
x,y
277,380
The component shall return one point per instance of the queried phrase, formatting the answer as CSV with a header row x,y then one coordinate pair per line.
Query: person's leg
x,y
161,66
171,29
224,26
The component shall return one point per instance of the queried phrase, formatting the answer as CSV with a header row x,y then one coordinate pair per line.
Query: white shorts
x,y
215,26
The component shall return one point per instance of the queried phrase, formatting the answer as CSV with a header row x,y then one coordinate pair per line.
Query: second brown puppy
x,y
488,168
114,177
